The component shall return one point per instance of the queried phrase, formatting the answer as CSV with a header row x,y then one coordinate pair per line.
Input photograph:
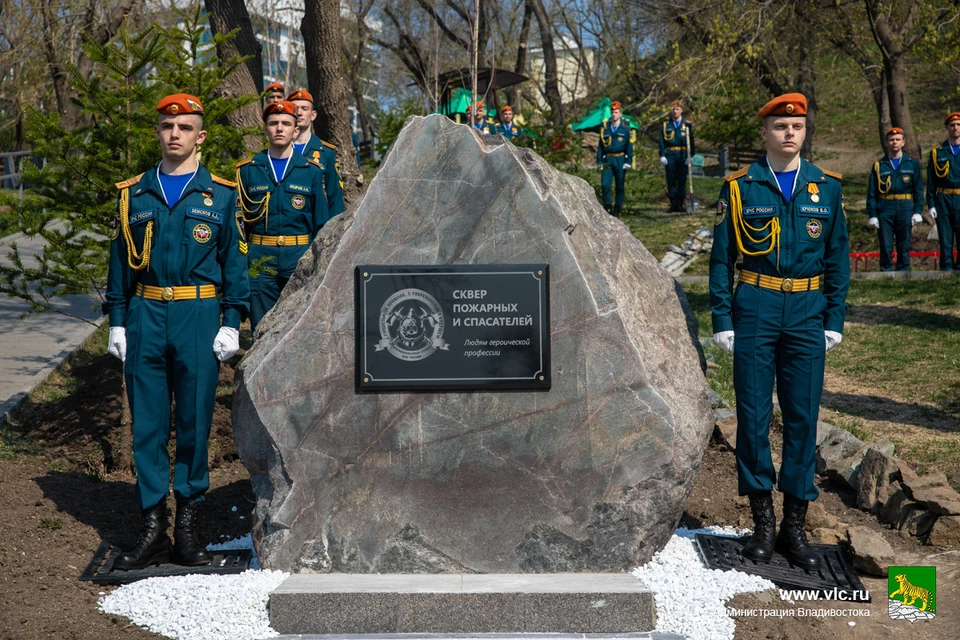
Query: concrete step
x,y
562,603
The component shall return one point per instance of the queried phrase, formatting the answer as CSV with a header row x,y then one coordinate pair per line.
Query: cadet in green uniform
x,y
785,217
313,148
894,198
673,154
614,157
274,93
176,288
480,121
943,190
507,129
282,204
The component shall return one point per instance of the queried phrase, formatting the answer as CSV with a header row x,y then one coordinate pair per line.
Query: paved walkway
x,y
31,349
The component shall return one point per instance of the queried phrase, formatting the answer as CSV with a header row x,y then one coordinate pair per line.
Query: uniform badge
x,y
316,155
173,109
906,179
208,202
814,198
721,211
239,201
202,233
298,202
814,228
115,229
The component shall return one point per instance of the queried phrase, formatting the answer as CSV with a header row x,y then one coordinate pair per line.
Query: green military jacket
x,y
325,154
886,183
812,237
943,171
297,204
616,142
197,242
674,139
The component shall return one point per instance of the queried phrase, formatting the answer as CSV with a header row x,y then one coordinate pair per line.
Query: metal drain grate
x,y
100,569
836,576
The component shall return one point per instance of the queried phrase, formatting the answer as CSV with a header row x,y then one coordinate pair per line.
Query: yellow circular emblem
x,y
174,109
202,233
298,202
208,202
814,198
789,107
814,228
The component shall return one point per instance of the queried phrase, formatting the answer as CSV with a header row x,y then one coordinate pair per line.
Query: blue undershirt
x,y
677,123
786,180
173,186
299,147
896,163
955,148
279,167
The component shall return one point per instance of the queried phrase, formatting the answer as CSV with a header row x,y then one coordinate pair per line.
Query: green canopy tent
x,y
594,119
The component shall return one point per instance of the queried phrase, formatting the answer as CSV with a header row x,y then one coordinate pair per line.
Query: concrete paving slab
x,y
31,349
462,604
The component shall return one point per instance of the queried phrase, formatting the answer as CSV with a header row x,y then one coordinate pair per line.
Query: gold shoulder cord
x,y
882,186
940,173
137,261
606,141
665,136
740,226
262,205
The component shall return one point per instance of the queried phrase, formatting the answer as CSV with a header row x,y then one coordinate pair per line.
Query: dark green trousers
x,y
613,172
266,286
895,225
948,228
170,354
676,174
778,336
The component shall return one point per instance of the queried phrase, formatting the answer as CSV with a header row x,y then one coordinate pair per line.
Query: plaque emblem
x,y
721,211
298,202
814,228
411,325
906,179
202,233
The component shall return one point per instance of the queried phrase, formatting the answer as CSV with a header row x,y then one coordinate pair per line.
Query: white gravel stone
x,y
691,599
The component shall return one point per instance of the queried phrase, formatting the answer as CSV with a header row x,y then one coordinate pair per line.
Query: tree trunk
x,y
247,79
513,93
898,80
551,84
322,44
806,80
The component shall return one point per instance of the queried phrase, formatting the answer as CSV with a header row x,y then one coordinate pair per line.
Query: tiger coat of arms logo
x,y
411,325
912,593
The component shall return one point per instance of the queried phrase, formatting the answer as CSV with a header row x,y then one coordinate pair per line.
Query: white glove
x,y
832,339
873,223
933,212
725,340
226,343
117,343
916,219
663,160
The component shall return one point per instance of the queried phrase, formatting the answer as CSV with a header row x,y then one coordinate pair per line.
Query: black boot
x,y
153,545
673,205
792,539
616,211
186,550
608,208
759,547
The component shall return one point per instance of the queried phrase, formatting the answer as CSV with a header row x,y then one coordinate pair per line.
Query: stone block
x,y
917,521
945,532
725,432
835,456
935,492
818,518
871,553
829,536
876,477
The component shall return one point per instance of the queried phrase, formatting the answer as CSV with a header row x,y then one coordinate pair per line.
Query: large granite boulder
x,y
589,476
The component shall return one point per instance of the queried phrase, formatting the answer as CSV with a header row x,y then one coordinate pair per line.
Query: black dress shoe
x,y
153,545
759,547
792,539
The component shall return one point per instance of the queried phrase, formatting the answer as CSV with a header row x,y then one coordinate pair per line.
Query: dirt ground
x,y
56,507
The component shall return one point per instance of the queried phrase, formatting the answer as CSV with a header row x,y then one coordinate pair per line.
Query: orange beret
x,y
478,104
789,104
953,116
180,103
284,106
506,109
894,131
615,105
300,94
676,103
275,86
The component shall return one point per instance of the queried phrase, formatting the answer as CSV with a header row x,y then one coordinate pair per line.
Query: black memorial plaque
x,y
452,328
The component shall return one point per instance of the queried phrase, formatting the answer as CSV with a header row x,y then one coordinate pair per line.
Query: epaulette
x,y
130,182
315,163
243,162
736,174
223,181
832,174
327,144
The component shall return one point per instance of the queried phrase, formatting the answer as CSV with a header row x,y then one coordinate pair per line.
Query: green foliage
x,y
732,115
53,524
72,203
561,146
391,122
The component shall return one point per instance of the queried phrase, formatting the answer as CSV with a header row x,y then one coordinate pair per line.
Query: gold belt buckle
x,y
281,241
167,294
787,285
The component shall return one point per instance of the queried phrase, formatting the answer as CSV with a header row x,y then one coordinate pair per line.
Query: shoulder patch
x,y
130,182
833,174
243,162
736,175
223,181
314,163
327,144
